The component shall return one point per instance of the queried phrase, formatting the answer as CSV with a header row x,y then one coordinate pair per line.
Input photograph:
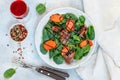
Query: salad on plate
x,y
66,38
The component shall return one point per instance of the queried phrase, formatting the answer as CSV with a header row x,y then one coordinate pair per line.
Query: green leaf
x,y
53,53
75,37
45,35
63,21
72,34
79,24
78,53
48,25
60,47
64,26
42,49
57,36
58,59
91,32
72,47
86,49
82,19
9,73
70,16
41,8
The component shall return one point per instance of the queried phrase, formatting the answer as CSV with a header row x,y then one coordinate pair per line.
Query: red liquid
x,y
19,9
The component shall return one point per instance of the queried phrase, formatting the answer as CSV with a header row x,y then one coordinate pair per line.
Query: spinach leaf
x,y
58,24
86,49
72,34
41,8
60,47
57,36
45,35
75,37
42,49
9,73
63,21
91,32
58,59
70,16
78,54
63,26
49,30
53,53
79,24
70,41
82,19
48,25
72,47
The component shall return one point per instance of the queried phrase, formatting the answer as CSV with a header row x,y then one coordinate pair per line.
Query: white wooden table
x,y
8,47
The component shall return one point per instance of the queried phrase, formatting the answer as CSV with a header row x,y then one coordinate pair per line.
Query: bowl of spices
x,y
18,32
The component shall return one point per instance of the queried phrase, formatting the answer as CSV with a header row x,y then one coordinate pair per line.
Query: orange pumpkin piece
x,y
49,45
67,54
65,50
56,18
70,25
90,42
85,43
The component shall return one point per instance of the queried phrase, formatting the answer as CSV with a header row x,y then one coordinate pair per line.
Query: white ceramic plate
x,y
38,38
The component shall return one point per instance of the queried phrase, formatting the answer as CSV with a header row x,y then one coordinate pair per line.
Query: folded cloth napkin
x,y
110,45
104,14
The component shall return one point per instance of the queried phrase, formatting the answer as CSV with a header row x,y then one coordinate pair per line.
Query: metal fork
x,y
53,73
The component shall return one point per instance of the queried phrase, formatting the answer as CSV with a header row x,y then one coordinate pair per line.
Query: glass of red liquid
x,y
19,9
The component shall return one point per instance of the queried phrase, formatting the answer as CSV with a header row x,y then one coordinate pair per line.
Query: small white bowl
x,y
13,26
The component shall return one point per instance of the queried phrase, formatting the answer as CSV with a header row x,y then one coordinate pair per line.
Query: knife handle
x,y
47,73
60,73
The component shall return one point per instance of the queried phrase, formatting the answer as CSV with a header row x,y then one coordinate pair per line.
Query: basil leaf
x,y
9,73
42,49
91,32
58,59
40,8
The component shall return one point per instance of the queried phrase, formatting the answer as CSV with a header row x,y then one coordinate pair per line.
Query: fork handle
x,y
47,73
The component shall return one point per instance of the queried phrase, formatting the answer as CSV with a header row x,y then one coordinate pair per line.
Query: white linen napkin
x,y
111,44
104,14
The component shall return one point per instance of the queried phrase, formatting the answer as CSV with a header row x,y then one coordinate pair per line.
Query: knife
x,y
57,75
60,73
52,75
